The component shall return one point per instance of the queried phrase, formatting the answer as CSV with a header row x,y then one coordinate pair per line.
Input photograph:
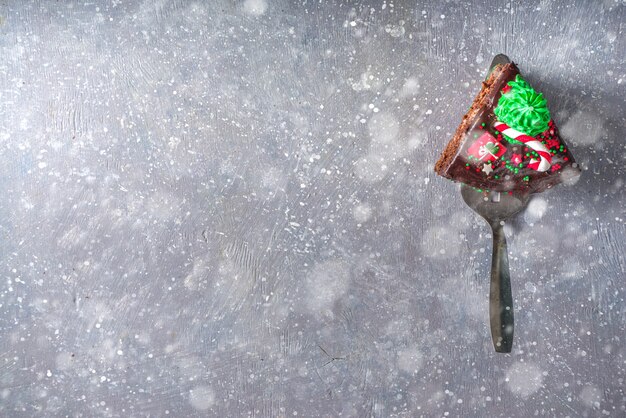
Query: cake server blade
x,y
497,60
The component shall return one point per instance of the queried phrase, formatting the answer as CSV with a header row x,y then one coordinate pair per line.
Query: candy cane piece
x,y
545,161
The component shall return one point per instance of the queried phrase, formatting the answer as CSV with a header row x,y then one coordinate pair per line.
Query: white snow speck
x,y
591,396
536,209
441,242
362,212
327,282
201,397
410,360
255,7
570,176
410,88
530,287
524,379
383,127
395,30
583,128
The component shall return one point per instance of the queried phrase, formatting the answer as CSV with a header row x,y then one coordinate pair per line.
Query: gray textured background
x,y
230,210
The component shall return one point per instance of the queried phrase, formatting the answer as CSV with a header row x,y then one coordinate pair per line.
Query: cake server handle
x,y
500,296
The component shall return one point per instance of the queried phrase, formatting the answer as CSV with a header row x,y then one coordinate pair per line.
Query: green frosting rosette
x,y
523,109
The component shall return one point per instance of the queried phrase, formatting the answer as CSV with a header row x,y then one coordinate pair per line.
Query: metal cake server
x,y
496,208
497,60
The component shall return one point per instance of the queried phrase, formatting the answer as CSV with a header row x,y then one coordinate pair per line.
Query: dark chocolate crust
x,y
455,165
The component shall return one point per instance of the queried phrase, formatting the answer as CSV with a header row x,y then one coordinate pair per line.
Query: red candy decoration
x,y
486,148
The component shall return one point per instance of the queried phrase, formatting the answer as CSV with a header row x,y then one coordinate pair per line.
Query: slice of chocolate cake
x,y
507,141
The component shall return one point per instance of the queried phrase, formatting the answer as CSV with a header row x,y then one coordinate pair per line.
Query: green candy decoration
x,y
523,109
